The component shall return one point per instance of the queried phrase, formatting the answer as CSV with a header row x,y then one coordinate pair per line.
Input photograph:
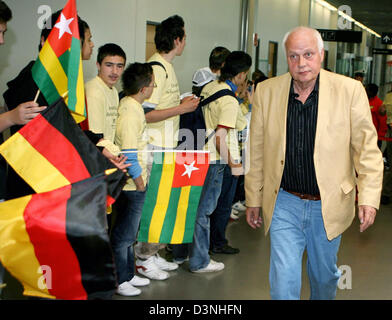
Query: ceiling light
x,y
330,7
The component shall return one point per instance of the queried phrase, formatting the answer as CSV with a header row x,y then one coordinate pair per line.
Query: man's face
x,y
303,56
3,29
180,44
88,45
111,69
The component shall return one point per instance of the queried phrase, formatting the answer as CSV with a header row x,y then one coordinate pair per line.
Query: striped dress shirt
x,y
299,174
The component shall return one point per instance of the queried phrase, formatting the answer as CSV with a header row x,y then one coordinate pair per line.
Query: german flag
x,y
56,243
58,71
173,195
51,151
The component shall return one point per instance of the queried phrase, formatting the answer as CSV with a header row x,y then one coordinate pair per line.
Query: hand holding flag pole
x,y
58,68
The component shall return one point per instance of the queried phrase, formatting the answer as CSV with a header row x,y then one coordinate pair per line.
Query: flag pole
x,y
37,94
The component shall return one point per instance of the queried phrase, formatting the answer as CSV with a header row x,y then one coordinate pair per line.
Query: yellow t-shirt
x,y
388,106
131,134
226,112
165,95
102,104
244,107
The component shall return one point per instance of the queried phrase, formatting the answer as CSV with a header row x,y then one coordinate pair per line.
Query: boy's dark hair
x,y
135,77
217,57
46,31
110,49
83,26
257,74
236,62
5,12
168,31
371,90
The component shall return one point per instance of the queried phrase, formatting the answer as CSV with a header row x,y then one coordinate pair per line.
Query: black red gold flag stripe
x,y
51,151
56,243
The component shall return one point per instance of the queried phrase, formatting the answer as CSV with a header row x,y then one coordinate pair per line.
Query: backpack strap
x,y
157,63
215,96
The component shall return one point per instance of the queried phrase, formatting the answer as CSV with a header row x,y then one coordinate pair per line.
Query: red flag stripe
x,y
59,46
58,150
200,163
52,249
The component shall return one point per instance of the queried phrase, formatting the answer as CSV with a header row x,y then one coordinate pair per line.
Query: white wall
x,y
275,18
207,24
320,18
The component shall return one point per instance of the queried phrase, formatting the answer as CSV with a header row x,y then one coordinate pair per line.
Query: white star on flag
x,y
189,168
63,25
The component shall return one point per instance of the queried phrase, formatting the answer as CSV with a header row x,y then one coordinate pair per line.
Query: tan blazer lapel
x,y
282,114
324,99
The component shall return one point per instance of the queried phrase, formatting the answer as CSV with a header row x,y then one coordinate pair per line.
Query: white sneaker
x,y
127,290
149,269
139,281
234,214
180,260
163,264
239,206
213,266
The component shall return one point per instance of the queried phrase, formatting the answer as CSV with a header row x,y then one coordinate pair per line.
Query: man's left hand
x,y
366,215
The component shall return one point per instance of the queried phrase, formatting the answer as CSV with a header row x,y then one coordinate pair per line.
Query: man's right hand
x,y
253,217
189,104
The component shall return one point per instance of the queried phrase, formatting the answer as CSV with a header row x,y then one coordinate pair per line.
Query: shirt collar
x,y
232,85
315,89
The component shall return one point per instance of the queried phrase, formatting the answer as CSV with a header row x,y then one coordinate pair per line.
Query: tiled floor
x,y
367,256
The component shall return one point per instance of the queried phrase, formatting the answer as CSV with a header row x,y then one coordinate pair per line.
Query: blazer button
x,y
282,162
276,191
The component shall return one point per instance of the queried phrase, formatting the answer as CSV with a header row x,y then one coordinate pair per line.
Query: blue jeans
x,y
298,225
199,257
220,217
124,233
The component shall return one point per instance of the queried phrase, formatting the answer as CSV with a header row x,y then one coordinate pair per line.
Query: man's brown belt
x,y
305,196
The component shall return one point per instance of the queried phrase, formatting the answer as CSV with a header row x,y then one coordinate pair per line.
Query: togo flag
x,y
56,243
58,70
173,195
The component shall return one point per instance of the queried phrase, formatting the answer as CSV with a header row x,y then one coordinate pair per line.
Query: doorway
x,y
150,34
272,58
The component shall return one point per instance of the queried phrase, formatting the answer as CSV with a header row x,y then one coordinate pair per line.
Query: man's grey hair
x,y
317,35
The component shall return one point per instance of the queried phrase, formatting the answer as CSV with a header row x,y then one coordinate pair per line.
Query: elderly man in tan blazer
x,y
312,141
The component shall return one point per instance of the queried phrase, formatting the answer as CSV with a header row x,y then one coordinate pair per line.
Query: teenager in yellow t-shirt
x,y
164,105
222,117
138,83
162,115
102,95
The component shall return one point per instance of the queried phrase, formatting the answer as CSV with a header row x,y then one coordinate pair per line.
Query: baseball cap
x,y
202,76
